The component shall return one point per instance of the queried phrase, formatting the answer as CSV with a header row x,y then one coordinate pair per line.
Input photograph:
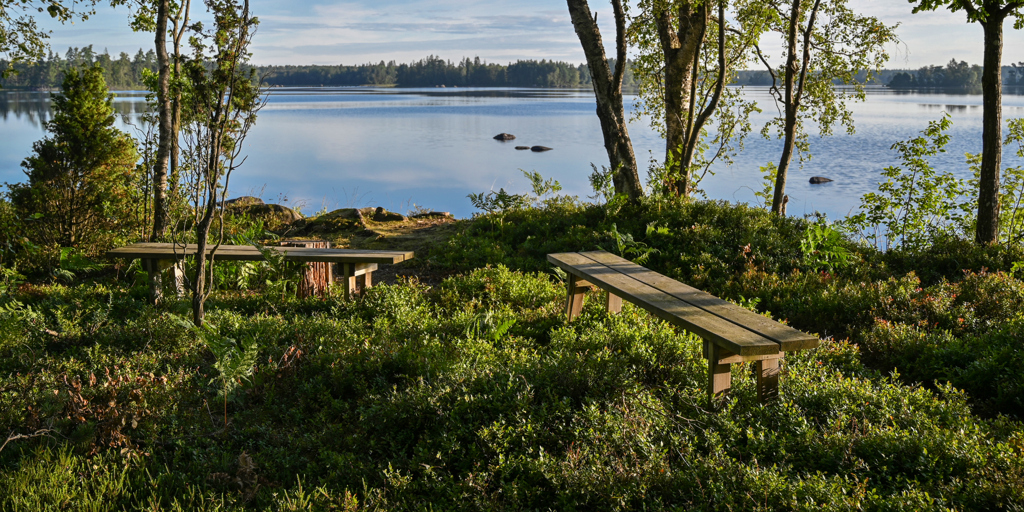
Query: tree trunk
x,y
987,231
608,90
680,49
791,103
160,217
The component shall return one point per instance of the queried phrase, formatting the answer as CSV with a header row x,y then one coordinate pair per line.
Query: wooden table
x,y
352,262
731,334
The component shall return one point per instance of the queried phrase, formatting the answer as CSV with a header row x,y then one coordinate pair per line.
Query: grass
x,y
474,394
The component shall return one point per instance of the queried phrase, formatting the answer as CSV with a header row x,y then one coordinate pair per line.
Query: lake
x,y
316,148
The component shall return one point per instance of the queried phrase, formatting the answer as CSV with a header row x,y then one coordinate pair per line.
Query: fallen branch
x,y
15,437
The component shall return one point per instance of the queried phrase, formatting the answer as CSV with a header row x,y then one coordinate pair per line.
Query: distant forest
x,y
954,75
125,73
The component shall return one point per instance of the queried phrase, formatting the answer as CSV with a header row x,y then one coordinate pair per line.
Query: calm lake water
x,y
331,148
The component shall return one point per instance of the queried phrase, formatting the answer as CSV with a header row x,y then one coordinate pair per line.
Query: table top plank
x,y
788,338
729,335
151,250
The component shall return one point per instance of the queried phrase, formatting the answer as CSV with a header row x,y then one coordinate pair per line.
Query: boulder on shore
x,y
538,149
817,180
504,136
382,215
242,201
274,215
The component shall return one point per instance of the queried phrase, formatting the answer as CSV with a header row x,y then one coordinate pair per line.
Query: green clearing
x,y
472,393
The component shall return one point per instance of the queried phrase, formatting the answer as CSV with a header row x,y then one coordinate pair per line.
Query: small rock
x,y
382,215
817,180
538,149
522,147
504,136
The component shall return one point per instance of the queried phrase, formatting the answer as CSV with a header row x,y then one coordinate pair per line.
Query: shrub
x,y
78,177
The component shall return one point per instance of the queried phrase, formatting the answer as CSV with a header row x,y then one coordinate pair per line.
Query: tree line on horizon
x,y
954,75
125,72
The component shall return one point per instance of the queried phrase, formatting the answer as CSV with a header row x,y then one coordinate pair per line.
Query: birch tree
x,y
825,44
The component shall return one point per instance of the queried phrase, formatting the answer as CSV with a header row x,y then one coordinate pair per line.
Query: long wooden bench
x,y
731,334
352,262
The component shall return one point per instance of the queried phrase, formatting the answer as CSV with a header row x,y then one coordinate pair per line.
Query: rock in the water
x,y
538,149
504,136
522,147
817,180
382,215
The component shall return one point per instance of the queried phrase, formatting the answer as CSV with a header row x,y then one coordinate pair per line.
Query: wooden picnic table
x,y
351,262
731,334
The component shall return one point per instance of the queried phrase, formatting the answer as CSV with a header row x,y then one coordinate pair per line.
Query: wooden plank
x,y
149,250
788,338
736,339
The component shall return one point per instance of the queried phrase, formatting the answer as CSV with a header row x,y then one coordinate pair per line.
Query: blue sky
x,y
355,32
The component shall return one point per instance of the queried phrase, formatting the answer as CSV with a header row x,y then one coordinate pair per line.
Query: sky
x,y
357,32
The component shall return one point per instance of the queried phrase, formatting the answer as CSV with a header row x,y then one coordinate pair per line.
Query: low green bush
x,y
419,398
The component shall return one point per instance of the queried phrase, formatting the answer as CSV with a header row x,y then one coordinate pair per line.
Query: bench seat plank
x,y
726,334
150,250
788,338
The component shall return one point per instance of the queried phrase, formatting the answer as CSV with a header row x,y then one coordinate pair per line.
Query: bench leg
x,y
156,270
719,375
574,298
367,280
348,278
766,373
613,303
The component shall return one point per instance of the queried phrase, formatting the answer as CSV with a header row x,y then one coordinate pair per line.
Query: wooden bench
x,y
731,334
352,262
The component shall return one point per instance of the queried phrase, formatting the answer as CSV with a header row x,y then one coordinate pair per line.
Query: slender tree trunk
x,y
160,217
987,231
680,50
608,90
180,24
791,104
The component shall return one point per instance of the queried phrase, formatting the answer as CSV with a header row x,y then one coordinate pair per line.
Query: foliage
x,y
78,177
823,247
223,101
955,75
20,37
915,204
825,43
635,250
396,401
675,64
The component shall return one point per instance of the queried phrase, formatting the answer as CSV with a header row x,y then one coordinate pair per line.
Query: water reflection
x,y
34,107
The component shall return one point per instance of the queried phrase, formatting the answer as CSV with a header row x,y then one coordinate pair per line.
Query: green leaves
x,y
915,204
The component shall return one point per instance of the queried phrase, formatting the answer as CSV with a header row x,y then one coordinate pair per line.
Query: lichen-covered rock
x,y
382,215
504,136
340,220
272,215
242,201
432,215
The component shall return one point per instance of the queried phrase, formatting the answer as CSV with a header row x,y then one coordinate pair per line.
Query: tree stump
x,y
316,276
